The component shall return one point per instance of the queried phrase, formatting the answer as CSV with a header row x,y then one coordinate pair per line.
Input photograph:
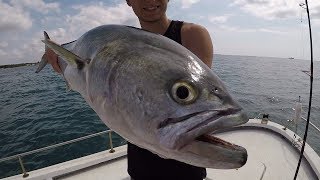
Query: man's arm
x,y
197,39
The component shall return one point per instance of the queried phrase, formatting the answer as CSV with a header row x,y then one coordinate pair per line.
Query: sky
x,y
272,28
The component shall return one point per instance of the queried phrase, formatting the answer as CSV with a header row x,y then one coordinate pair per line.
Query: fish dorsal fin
x,y
71,58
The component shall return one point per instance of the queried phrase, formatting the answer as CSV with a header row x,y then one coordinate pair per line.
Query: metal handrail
x,y
54,146
19,156
311,124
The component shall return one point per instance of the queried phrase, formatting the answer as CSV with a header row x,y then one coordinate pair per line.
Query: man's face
x,y
149,10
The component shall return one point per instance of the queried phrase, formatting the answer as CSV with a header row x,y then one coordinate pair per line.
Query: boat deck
x,y
271,155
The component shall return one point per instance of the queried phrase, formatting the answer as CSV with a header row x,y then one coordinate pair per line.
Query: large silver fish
x,y
153,92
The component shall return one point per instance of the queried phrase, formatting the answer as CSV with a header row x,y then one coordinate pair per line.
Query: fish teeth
x,y
214,140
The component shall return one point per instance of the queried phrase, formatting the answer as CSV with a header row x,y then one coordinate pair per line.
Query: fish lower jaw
x,y
212,152
207,138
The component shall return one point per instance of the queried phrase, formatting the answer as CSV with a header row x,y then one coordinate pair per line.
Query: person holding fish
x,y
143,164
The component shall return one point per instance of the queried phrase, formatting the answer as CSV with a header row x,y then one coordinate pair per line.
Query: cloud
x,y
2,52
23,49
69,26
32,48
58,34
13,18
268,30
275,9
316,12
219,19
92,16
30,51
250,30
14,15
188,3
37,5
16,53
3,44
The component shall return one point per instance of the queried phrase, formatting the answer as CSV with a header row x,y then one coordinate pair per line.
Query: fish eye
x,y
184,92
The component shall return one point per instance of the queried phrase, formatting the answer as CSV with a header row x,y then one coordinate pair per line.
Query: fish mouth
x,y
202,124
194,133
208,136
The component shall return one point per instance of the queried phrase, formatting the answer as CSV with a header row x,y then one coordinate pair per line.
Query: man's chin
x,y
151,19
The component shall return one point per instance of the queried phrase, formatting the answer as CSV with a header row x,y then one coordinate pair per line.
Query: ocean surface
x,y
37,111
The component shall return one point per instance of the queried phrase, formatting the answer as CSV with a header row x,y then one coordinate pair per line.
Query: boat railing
x,y
292,121
315,127
21,155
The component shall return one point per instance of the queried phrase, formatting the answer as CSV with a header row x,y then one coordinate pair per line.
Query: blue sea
x,y
37,111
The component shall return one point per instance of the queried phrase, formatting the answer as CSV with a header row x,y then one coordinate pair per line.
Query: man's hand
x,y
52,58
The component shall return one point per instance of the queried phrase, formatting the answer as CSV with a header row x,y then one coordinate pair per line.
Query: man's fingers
x,y
53,60
56,67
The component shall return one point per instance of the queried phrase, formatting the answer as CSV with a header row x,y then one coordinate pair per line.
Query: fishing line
x,y
302,40
311,87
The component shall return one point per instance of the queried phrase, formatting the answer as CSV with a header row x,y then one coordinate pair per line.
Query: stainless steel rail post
x,y
25,174
110,142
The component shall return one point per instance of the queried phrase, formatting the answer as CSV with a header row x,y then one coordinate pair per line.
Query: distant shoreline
x,y
16,65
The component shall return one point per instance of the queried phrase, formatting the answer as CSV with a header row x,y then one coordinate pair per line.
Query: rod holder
x,y
25,174
110,142
265,119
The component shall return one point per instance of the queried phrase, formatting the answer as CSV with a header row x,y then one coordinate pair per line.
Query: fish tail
x,y
71,58
43,61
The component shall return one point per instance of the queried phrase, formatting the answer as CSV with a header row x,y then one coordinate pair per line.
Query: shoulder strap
x,y
174,31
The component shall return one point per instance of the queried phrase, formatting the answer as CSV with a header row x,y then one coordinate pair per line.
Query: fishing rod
x,y
311,87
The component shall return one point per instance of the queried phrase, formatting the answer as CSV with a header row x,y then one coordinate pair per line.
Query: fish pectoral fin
x,y
71,58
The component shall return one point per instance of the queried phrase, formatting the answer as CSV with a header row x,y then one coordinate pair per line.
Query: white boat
x,y
273,153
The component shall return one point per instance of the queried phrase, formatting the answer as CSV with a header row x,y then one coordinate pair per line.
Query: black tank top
x,y
174,31
144,165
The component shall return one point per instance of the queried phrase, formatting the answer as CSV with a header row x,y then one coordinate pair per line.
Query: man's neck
x,y
159,26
